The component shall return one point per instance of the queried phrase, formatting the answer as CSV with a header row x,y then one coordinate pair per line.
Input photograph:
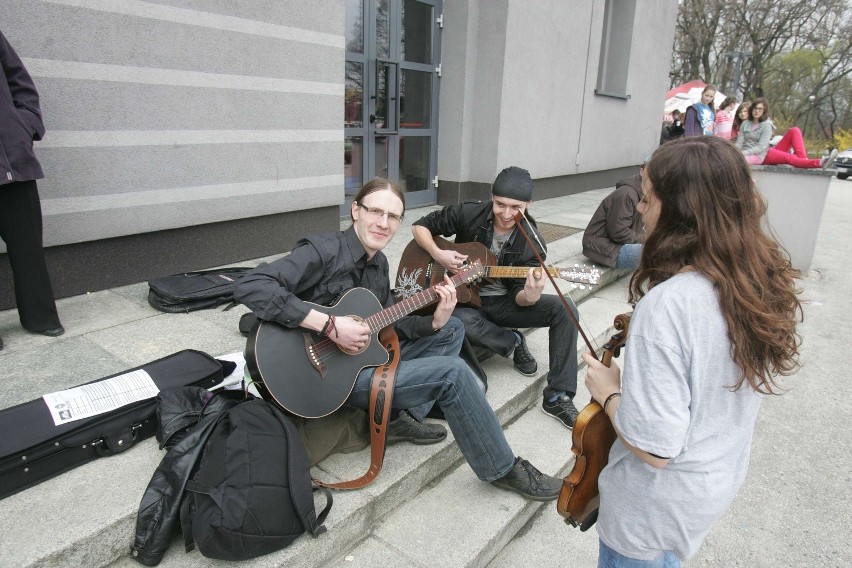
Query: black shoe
x,y
407,429
562,409
524,361
53,332
526,480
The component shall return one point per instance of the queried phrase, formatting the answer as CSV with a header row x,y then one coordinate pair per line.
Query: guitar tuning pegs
x,y
573,286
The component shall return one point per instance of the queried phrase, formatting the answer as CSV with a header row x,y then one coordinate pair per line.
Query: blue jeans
x,y
608,558
430,370
485,327
629,256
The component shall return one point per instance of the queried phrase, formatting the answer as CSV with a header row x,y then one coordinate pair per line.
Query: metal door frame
x,y
370,64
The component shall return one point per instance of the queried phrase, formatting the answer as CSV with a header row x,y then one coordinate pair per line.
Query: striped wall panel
x,y
166,114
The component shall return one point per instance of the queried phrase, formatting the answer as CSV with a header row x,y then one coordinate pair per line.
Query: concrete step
x,y
86,517
459,521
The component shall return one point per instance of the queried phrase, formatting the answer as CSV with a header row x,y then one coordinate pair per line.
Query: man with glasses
x,y
509,303
320,268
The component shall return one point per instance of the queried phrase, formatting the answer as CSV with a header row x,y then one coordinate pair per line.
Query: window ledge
x,y
623,96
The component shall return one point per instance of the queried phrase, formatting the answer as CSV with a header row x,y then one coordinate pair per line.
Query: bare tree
x,y
794,52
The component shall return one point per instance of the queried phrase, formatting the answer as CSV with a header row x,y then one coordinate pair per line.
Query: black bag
x,y
33,448
252,493
194,290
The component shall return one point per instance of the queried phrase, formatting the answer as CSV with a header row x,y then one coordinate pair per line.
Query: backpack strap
x,y
381,396
297,470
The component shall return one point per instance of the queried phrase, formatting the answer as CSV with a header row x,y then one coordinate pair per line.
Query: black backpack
x,y
195,290
252,492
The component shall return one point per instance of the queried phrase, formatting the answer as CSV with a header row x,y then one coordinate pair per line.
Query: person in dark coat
x,y
615,234
513,302
20,207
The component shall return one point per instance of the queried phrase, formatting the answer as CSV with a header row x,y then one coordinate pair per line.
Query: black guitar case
x,y
33,448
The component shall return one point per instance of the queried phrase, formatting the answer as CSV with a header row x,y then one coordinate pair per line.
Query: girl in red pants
x,y
780,154
753,139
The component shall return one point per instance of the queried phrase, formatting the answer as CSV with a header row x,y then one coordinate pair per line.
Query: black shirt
x,y
318,270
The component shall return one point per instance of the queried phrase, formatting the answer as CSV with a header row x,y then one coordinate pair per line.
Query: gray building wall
x,y
518,88
184,134
180,133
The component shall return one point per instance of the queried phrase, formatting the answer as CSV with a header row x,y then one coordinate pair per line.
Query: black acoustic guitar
x,y
309,375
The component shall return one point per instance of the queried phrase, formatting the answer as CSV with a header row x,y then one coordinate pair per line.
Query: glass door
x,y
391,96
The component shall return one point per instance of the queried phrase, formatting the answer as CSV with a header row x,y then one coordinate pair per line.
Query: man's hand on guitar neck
x,y
446,304
533,287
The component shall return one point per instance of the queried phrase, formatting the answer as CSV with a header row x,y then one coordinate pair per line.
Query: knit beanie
x,y
514,183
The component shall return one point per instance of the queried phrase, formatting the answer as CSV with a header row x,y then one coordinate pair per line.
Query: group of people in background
x,y
749,127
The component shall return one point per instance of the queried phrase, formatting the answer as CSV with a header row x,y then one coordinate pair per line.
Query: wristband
x,y
324,331
609,398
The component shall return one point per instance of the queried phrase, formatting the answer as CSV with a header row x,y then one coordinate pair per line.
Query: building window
x,y
615,48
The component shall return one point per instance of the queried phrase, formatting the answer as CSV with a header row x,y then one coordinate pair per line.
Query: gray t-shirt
x,y
676,404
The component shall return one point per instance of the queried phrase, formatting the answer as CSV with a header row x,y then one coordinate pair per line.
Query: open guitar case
x,y
33,448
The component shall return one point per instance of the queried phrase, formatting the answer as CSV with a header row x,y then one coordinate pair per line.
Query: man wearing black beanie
x,y
509,302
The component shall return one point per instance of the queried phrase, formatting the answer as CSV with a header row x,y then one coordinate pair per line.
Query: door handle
x,y
372,118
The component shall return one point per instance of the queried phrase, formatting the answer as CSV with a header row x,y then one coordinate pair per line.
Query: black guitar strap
x,y
381,396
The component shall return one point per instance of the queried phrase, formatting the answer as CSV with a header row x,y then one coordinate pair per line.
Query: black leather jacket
x,y
159,511
472,221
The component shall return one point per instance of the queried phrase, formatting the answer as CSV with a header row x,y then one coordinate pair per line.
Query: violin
x,y
592,438
593,433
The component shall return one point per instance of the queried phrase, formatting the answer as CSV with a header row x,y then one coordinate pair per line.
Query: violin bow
x,y
519,216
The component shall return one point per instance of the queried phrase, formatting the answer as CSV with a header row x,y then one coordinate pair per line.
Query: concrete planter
x,y
796,199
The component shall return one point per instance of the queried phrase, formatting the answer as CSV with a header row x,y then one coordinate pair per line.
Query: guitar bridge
x,y
313,356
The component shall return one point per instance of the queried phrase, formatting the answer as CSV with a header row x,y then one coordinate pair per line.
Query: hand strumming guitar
x,y
449,259
349,333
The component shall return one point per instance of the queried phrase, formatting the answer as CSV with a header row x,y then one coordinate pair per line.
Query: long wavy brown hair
x,y
711,220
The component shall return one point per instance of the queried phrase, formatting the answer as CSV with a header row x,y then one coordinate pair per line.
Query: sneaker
x,y
526,480
562,409
524,361
407,429
828,162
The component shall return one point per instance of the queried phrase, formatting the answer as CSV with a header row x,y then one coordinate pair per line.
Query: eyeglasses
x,y
377,213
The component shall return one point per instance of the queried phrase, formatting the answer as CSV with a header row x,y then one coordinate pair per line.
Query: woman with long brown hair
x,y
714,324
740,116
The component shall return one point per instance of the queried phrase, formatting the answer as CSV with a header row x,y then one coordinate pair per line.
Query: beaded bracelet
x,y
609,398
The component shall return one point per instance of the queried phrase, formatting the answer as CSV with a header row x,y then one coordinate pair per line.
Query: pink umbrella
x,y
681,97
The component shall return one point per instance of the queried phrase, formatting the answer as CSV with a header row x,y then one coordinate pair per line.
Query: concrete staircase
x,y
427,508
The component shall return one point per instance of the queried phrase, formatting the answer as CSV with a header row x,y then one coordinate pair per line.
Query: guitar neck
x,y
388,316
512,271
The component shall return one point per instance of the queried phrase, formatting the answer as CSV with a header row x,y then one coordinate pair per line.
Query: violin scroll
x,y
612,348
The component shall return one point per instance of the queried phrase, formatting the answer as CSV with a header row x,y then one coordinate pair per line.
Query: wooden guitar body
x,y
305,373
418,270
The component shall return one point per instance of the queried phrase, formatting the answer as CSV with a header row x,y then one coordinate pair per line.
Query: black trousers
x,y
485,327
21,230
